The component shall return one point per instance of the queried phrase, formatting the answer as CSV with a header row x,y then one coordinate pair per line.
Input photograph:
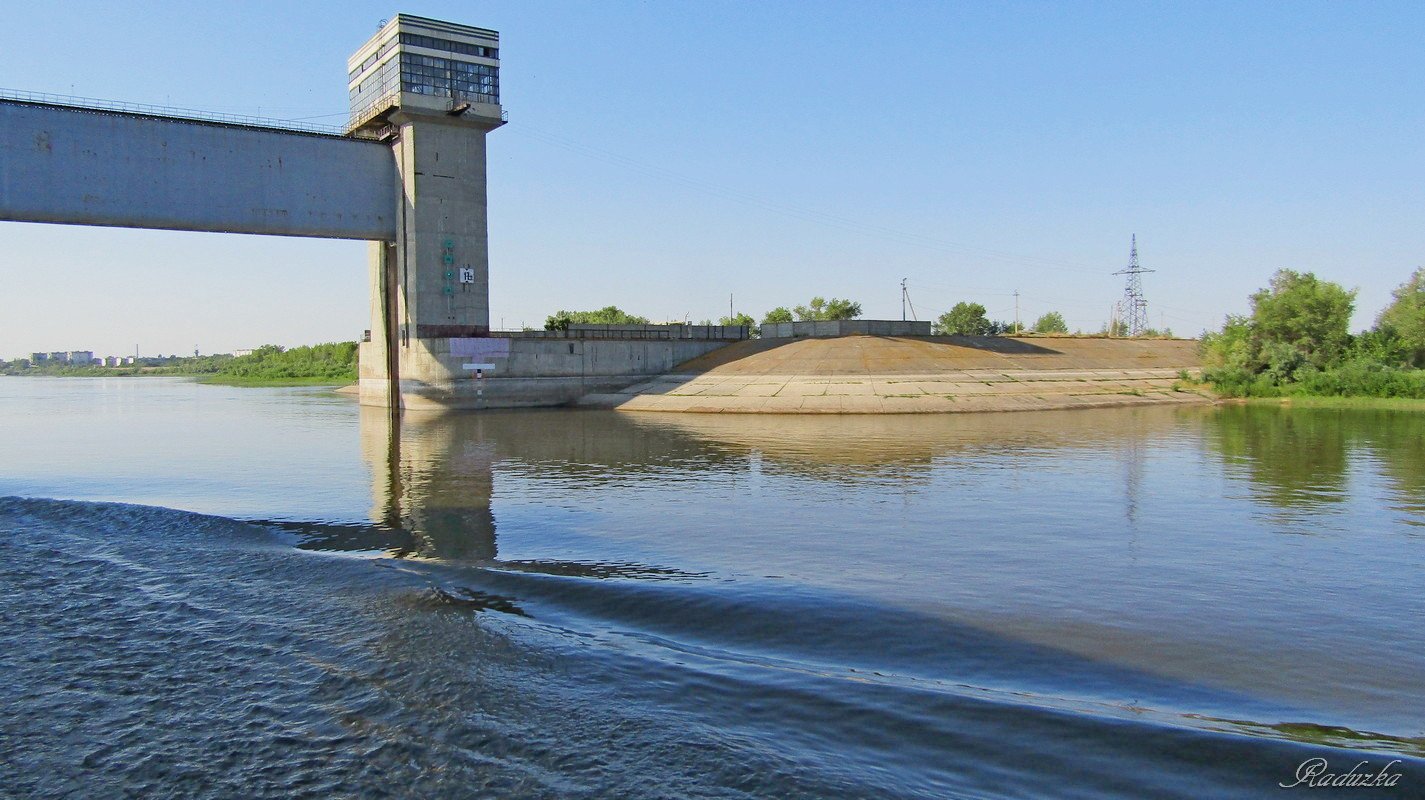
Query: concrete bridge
x,y
407,173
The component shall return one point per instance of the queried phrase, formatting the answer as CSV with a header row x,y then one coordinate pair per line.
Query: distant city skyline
x,y
664,157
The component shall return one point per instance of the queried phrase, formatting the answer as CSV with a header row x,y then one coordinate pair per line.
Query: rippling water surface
x,y
223,592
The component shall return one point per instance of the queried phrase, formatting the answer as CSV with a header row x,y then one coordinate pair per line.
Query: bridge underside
x,y
81,166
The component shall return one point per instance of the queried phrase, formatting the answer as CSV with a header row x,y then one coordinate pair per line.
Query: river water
x,y
223,592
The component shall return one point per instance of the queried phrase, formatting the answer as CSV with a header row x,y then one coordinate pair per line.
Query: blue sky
x,y
661,156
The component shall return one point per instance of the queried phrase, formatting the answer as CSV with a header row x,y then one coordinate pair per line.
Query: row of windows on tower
x,y
455,47
429,75
429,42
446,78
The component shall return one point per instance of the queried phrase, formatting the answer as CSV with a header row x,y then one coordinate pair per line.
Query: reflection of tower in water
x,y
1133,456
433,480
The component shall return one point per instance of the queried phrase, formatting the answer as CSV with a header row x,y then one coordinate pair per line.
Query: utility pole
x,y
902,299
1016,312
730,315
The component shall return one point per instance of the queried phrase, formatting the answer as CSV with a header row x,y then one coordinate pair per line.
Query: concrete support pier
x,y
431,284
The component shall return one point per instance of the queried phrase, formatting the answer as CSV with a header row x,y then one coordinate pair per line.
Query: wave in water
x,y
152,651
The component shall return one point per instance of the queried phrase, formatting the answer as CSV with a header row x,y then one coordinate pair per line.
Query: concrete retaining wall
x,y
731,333
529,371
846,327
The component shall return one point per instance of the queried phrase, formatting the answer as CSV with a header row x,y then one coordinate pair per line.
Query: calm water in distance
x,y
213,591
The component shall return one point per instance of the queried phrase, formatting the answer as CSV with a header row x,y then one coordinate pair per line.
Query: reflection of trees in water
x,y
434,474
1397,440
439,472
1301,457
1293,458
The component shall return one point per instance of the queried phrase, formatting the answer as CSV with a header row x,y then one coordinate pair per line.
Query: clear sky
x,y
663,155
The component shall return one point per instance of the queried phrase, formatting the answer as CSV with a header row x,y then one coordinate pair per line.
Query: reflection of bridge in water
x,y
435,474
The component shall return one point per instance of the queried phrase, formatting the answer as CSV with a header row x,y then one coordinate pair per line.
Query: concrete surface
x,y
522,372
846,327
882,375
92,167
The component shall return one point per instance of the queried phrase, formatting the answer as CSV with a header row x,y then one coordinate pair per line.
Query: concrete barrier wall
x,y
535,372
580,331
88,167
848,327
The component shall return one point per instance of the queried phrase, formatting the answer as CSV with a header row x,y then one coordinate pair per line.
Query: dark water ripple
x,y
150,652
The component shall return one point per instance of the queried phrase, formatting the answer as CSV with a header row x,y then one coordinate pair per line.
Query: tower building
x,y
431,90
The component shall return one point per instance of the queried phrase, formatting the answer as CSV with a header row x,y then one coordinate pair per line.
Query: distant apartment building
x,y
113,361
59,357
39,358
130,360
81,357
237,353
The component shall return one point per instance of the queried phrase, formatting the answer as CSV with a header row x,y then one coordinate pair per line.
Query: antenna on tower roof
x,y
1133,308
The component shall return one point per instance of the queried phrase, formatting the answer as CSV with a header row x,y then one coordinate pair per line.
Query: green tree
x,y
965,319
1230,348
1302,312
1404,319
778,314
822,309
608,315
745,320
1052,322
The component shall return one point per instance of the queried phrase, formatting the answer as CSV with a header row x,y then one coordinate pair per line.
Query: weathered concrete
x,y
521,372
846,327
876,375
83,166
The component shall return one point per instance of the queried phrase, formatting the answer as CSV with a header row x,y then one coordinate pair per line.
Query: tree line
x,y
1297,340
964,319
818,308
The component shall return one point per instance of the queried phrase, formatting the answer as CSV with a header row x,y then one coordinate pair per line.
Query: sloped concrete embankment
x,y
892,375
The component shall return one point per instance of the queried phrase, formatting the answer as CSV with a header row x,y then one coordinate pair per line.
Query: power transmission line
x,y
1134,306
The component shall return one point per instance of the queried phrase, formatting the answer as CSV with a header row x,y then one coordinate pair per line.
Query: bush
x,y
608,315
334,361
965,319
776,315
822,309
1363,378
1052,322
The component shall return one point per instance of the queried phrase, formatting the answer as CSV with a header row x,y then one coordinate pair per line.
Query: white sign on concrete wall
x,y
480,349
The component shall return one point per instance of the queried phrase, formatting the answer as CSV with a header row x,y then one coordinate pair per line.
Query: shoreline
x,y
1340,402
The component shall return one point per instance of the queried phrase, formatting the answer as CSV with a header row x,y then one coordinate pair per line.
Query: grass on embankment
x,y
257,381
1363,403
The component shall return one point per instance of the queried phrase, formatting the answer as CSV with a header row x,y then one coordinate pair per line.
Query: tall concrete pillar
x,y
433,282
442,251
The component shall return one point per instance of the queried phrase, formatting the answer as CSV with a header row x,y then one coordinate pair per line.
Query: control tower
x,y
431,90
